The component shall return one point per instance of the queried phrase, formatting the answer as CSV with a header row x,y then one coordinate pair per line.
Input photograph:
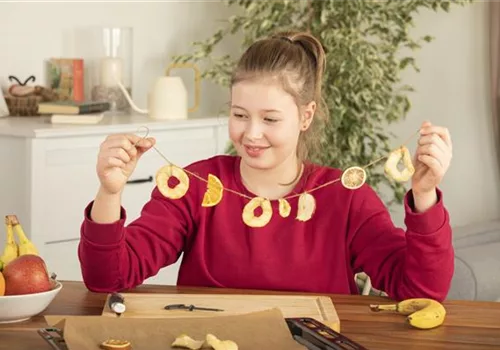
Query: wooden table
x,y
469,325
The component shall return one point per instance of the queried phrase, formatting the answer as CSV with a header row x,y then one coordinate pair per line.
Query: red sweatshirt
x,y
350,231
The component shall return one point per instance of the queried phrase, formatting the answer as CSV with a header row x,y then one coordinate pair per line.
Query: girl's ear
x,y
308,115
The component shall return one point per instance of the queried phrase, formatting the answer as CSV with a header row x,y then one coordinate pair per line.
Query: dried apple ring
x,y
249,217
306,206
284,207
186,342
164,174
391,165
353,177
218,344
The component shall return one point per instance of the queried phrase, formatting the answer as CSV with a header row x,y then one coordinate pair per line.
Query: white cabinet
x,y
48,176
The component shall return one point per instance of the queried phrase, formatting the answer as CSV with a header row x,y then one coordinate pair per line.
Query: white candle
x,y
111,70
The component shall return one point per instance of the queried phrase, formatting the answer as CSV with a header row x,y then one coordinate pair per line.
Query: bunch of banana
x,y
11,250
25,245
422,313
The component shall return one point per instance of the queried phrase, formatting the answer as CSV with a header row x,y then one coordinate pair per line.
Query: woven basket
x,y
27,106
23,106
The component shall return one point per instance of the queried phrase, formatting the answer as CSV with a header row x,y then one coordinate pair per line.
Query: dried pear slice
x,y
115,344
284,207
306,206
218,344
353,177
248,214
186,342
391,165
164,174
213,194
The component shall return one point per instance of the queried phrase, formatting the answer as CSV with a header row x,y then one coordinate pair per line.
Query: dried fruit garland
x,y
352,178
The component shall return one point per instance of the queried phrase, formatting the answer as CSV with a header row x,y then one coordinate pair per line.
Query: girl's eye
x,y
237,115
271,120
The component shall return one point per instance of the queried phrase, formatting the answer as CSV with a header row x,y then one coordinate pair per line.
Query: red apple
x,y
26,274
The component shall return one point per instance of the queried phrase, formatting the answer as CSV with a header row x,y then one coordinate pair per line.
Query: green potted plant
x,y
368,45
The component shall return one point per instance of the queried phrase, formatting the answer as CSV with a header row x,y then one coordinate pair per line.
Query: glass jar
x,y
113,61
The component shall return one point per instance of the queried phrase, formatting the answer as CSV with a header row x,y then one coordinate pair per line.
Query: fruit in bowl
x,y
26,274
26,288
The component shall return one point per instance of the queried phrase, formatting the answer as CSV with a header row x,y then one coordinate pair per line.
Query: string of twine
x,y
287,197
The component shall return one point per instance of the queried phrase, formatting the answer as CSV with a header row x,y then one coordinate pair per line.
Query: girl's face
x,y
265,124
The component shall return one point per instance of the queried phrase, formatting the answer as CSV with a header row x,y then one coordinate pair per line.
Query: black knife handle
x,y
140,181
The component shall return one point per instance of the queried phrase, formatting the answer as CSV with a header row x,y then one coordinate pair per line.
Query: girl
x,y
276,111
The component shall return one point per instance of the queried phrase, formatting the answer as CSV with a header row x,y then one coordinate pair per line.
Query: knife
x,y
116,303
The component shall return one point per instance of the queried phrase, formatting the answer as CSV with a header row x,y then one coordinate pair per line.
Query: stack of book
x,y
72,112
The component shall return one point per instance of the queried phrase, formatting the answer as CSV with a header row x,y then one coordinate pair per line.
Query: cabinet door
x,y
62,259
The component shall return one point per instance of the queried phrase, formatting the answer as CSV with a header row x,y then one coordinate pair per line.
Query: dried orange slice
x,y
263,219
164,174
113,344
284,207
306,207
391,165
213,194
353,177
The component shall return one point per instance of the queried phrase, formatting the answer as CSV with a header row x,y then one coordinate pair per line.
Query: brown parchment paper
x,y
253,331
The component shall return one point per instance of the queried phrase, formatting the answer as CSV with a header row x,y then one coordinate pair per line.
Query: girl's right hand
x,y
118,158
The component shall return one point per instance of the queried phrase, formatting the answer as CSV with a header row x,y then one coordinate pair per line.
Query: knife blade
x,y
189,307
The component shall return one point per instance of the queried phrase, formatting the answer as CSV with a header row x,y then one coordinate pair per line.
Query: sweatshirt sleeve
x,y
115,257
418,262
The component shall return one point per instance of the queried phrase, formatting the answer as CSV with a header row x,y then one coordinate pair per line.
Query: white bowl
x,y
17,308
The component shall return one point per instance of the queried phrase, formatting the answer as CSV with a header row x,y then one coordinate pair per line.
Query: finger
x,y
436,140
112,162
145,143
119,153
426,124
433,151
122,142
432,163
439,130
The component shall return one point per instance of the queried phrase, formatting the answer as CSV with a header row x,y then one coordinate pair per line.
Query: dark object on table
x,y
316,336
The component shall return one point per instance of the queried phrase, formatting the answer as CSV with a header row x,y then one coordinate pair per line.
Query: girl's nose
x,y
253,131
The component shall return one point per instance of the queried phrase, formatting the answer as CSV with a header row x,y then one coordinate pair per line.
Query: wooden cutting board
x,y
151,305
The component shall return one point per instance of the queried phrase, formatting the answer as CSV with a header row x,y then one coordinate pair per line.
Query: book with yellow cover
x,y
72,107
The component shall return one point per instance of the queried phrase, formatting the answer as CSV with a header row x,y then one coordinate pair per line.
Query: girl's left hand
x,y
432,158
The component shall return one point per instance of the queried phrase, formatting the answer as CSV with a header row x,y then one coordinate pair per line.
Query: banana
x,y
25,245
422,313
11,250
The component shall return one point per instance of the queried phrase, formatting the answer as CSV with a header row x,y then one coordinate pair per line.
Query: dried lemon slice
x,y
353,177
218,344
213,194
113,344
391,165
186,342
306,206
249,217
164,174
284,207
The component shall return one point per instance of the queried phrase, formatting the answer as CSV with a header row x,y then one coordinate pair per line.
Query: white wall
x,y
453,91
452,88
33,32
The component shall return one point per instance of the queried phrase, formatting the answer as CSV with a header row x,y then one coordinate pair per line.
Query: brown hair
x,y
297,60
